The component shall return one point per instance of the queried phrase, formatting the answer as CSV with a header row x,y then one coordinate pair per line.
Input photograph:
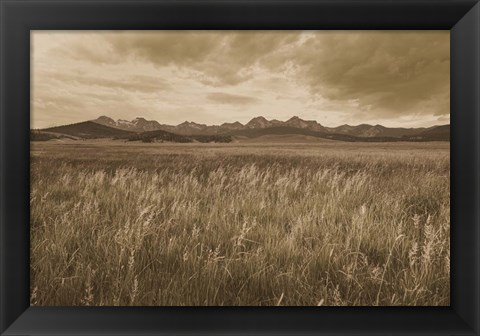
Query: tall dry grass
x,y
330,228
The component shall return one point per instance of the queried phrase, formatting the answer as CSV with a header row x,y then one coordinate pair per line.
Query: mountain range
x,y
151,130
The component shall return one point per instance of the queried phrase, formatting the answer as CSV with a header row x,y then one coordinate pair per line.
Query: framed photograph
x,y
240,167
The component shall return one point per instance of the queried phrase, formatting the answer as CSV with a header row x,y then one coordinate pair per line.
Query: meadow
x,y
327,223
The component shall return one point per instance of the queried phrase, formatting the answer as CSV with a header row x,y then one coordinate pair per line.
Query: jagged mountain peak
x,y
105,118
258,119
258,122
294,118
106,121
138,124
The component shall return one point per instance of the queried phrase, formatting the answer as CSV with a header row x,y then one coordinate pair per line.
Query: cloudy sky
x,y
211,77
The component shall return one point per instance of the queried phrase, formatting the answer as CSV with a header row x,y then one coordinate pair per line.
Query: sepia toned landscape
x,y
258,185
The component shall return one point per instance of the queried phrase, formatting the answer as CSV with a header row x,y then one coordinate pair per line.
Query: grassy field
x,y
240,224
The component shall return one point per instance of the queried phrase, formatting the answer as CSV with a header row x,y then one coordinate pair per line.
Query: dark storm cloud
x,y
389,73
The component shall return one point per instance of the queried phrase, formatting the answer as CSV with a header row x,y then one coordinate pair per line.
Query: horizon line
x,y
236,121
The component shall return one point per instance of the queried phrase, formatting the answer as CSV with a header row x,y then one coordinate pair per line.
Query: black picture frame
x,y
18,17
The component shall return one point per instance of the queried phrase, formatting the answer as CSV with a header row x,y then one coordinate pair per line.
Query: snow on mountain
x,y
140,124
